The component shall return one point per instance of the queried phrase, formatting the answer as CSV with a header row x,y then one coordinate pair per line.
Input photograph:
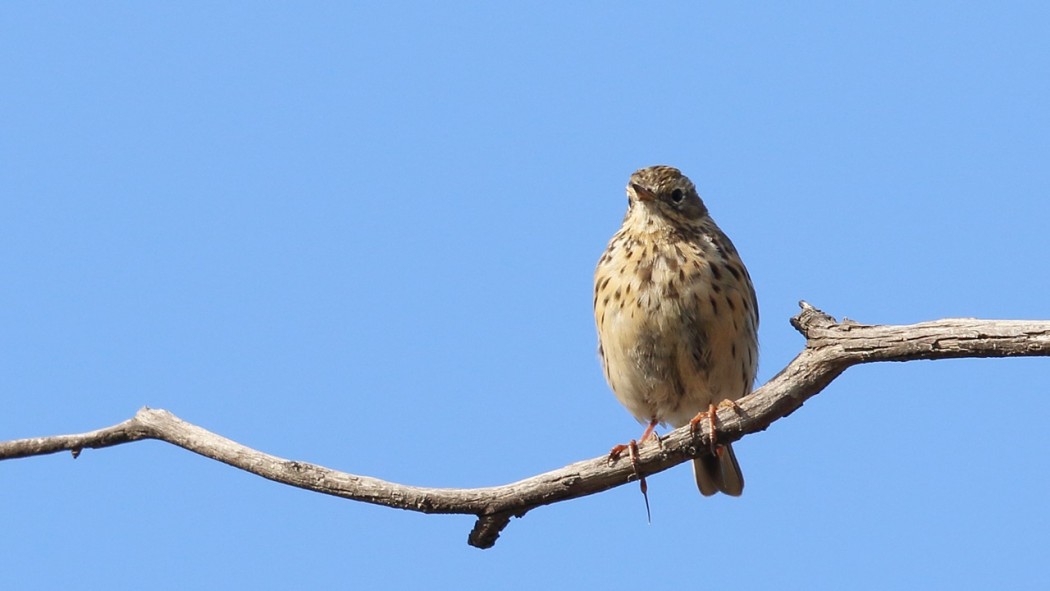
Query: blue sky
x,y
364,236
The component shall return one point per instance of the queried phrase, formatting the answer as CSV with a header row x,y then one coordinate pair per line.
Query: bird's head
x,y
664,193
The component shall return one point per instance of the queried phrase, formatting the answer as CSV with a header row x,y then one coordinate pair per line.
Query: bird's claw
x,y
710,415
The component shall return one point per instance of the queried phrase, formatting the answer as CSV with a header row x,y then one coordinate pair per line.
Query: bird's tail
x,y
719,473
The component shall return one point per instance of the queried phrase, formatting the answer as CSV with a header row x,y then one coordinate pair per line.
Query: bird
x,y
677,316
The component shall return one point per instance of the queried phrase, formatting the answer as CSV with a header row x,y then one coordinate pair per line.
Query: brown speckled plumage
x,y
676,314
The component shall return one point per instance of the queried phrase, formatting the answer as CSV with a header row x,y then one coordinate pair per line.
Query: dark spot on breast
x,y
719,248
672,263
645,273
732,351
671,290
716,272
732,306
699,351
716,288
734,271
681,275
616,295
714,304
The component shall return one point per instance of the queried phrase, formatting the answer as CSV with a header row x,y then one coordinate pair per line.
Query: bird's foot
x,y
710,415
632,451
617,450
731,404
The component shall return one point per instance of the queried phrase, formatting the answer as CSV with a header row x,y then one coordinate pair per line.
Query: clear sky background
x,y
364,236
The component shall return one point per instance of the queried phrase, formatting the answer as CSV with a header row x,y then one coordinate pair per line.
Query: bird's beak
x,y
641,193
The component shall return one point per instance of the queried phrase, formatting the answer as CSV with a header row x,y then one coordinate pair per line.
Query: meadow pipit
x,y
677,315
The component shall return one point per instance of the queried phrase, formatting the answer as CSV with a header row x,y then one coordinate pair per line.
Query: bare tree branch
x,y
831,347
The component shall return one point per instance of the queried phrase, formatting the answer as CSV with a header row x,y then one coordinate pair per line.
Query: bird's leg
x,y
710,414
649,432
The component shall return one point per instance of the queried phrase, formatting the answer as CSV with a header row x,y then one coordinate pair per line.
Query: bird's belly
x,y
667,363
643,356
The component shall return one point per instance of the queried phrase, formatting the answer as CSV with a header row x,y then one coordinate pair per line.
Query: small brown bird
x,y
677,316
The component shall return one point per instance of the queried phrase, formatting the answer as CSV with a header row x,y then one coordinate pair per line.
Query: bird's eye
x,y
677,195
